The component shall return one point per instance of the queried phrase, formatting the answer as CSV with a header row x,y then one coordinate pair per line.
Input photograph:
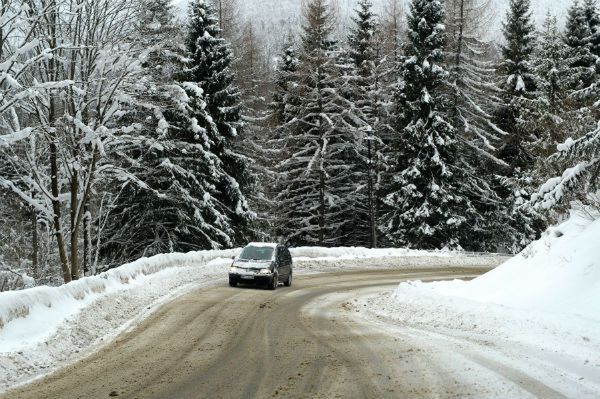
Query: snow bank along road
x,y
311,340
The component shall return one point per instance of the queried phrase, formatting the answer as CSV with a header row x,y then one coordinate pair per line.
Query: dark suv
x,y
262,263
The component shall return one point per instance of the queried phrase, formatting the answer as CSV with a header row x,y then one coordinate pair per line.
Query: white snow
x,y
263,244
538,314
44,328
560,273
30,316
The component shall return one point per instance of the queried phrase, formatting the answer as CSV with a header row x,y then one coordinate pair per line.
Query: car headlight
x,y
265,271
233,269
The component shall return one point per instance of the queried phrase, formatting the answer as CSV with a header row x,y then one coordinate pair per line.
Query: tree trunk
x,y
87,240
35,245
459,49
74,227
52,72
321,168
60,240
371,194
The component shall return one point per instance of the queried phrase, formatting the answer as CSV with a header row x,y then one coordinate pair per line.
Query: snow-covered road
x,y
171,327
304,341
487,353
46,328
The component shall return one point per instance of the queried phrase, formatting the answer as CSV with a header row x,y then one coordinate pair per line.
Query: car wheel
x,y
288,282
232,283
274,282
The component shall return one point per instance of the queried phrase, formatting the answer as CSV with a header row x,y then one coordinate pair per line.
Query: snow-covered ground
x,y
539,312
44,328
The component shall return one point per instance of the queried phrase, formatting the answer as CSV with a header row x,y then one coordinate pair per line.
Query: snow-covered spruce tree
x,y
578,158
152,210
210,69
283,101
176,194
590,12
518,83
551,62
469,61
577,36
518,116
277,129
426,206
472,99
368,94
579,179
317,185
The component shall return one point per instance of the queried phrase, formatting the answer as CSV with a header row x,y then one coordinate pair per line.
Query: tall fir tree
x,y
317,185
518,83
368,95
168,200
518,116
472,99
285,80
577,36
551,62
426,206
470,63
211,69
590,12
577,159
284,105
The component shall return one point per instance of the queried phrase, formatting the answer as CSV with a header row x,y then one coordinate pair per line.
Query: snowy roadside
x,y
538,314
477,340
44,328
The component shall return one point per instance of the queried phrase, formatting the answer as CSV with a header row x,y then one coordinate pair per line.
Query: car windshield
x,y
256,253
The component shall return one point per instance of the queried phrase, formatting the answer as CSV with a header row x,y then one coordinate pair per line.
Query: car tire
x,y
288,282
274,282
232,282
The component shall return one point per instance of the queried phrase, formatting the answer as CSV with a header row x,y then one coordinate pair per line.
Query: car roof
x,y
263,244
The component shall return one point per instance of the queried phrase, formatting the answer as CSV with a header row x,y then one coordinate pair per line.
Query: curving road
x,y
224,342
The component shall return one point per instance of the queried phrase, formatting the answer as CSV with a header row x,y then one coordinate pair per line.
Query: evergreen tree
x,y
579,179
472,99
368,96
210,69
176,194
577,37
285,79
283,107
518,83
577,160
518,116
590,12
551,62
427,206
474,96
318,181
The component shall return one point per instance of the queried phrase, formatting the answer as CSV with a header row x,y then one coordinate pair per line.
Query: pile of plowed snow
x,y
538,313
560,273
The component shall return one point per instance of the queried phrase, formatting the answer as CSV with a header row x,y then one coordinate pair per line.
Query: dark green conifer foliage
x,y
177,194
577,36
427,206
318,180
211,69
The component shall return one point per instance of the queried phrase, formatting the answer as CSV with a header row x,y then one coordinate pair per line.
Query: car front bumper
x,y
250,277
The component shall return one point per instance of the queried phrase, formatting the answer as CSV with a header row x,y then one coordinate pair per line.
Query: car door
x,y
281,264
288,259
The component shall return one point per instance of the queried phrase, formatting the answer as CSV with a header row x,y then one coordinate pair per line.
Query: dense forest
x,y
126,132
